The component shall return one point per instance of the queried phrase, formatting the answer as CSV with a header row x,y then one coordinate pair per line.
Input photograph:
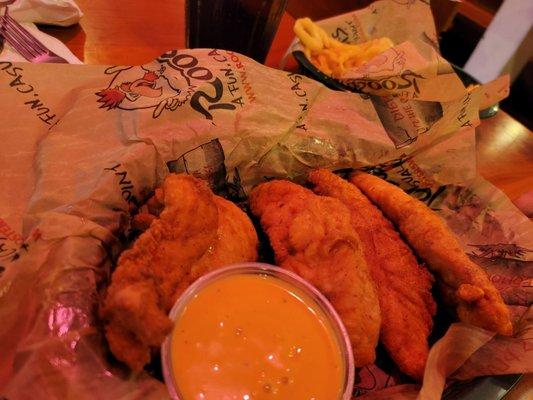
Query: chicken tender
x,y
312,236
404,287
236,243
191,227
464,285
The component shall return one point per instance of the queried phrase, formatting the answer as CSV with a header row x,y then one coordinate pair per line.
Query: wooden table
x,y
137,31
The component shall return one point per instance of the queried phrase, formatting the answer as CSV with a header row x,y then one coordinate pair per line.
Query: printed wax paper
x,y
410,83
84,146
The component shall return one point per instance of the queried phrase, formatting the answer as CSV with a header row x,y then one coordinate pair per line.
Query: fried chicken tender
x,y
196,232
236,243
464,285
312,236
142,221
404,287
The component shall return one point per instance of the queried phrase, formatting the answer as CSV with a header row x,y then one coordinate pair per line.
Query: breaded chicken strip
x,y
404,287
312,236
236,243
465,285
143,287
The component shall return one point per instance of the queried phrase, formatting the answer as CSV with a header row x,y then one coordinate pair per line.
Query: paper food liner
x,y
411,85
84,146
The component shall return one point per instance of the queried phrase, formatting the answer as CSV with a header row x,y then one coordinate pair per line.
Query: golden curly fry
x,y
331,56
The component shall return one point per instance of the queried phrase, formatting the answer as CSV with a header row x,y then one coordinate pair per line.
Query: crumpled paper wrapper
x,y
410,84
83,146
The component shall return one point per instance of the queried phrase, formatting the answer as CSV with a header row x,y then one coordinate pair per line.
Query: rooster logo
x,y
146,86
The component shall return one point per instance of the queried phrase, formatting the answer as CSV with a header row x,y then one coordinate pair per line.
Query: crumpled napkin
x,y
51,12
10,54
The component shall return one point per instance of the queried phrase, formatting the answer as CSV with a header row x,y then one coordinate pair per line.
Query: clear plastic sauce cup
x,y
254,331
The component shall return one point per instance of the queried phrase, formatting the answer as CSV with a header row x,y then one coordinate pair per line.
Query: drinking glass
x,y
243,26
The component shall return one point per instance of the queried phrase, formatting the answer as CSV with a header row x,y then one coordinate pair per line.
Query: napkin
x,y
50,12
10,54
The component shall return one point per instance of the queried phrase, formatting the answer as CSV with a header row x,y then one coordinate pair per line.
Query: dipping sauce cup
x,y
255,331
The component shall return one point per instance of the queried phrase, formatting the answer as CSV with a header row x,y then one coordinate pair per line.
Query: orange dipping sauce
x,y
253,337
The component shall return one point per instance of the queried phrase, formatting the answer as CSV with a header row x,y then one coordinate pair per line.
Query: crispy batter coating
x,y
142,221
312,236
236,243
404,287
465,285
192,225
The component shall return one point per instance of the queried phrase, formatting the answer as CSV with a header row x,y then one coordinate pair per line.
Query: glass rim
x,y
289,277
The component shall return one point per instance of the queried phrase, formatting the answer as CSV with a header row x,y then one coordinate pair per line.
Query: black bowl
x,y
308,69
